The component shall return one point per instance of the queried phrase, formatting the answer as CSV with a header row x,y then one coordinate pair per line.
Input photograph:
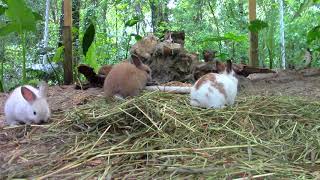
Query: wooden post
x,y
253,36
67,41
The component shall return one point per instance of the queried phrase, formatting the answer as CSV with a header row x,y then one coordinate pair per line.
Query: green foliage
x,y
37,16
313,34
58,55
88,38
21,15
8,28
91,57
132,21
2,9
257,25
22,20
136,36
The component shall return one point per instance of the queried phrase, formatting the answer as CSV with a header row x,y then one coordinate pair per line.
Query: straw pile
x,y
160,135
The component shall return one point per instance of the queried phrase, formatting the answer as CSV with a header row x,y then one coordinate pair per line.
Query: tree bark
x,y
283,50
46,33
67,39
253,36
76,24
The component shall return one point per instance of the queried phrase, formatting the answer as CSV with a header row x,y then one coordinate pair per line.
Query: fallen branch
x,y
170,89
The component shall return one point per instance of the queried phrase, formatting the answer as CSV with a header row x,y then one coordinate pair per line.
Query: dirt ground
x,y
62,98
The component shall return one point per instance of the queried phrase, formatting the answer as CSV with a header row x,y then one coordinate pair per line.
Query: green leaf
x,y
257,25
313,34
21,15
2,9
4,1
37,16
8,28
132,21
236,38
137,36
88,38
91,58
57,56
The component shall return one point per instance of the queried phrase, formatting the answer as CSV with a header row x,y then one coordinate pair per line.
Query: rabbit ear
x,y
28,95
220,66
136,60
229,66
43,88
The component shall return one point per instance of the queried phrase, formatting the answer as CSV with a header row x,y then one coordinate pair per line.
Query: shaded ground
x,y
65,97
62,98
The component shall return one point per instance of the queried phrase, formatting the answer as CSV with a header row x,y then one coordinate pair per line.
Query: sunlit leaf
x,y
313,34
91,58
236,38
20,14
88,38
8,28
132,22
57,55
257,25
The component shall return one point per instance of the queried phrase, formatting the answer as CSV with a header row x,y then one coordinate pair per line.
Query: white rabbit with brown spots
x,y
215,90
27,105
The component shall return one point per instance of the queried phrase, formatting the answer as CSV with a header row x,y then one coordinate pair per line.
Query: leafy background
x,y
109,28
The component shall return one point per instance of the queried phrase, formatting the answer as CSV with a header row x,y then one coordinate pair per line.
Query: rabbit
x,y
27,105
105,69
127,79
215,90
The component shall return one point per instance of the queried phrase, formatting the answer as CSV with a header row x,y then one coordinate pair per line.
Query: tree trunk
x,y
153,15
67,40
2,58
283,50
253,36
46,33
60,43
76,24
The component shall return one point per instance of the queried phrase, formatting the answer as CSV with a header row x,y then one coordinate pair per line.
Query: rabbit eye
x,y
148,72
34,113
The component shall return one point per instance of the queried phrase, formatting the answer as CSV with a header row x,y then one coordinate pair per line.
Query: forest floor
x,y
62,98
66,97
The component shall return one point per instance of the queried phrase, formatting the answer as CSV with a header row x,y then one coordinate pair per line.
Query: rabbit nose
x,y
42,121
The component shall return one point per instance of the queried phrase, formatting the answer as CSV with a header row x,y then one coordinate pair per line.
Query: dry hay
x,y
160,135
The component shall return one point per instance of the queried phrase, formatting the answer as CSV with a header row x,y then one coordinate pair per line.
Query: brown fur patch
x,y
220,88
211,77
104,70
213,81
220,66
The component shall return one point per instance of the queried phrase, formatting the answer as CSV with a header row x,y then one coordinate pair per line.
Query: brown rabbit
x,y
127,79
105,69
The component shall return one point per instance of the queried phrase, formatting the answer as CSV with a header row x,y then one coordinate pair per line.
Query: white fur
x,y
202,97
17,109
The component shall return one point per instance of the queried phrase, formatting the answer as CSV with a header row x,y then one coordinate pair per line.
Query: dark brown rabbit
x,y
127,79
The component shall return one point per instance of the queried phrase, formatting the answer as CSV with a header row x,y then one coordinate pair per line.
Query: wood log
x,y
169,89
245,70
175,36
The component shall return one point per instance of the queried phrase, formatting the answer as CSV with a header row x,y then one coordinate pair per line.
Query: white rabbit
x,y
215,90
27,104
